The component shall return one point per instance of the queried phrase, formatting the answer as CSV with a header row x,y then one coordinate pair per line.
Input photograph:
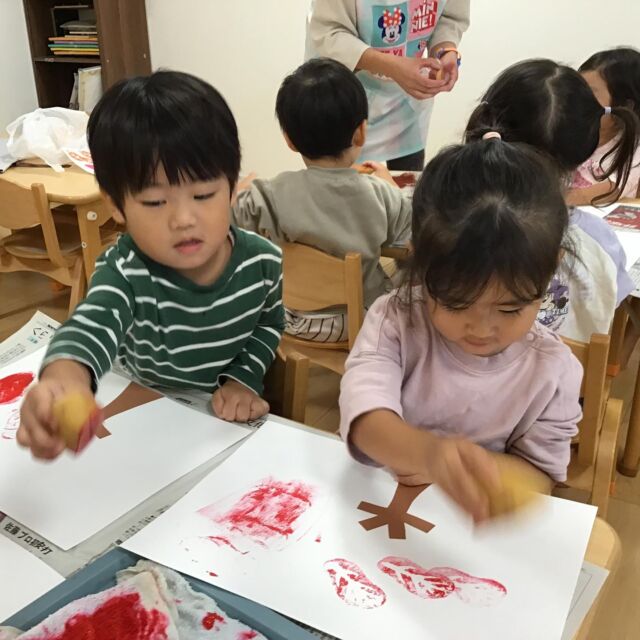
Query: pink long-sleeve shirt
x,y
523,401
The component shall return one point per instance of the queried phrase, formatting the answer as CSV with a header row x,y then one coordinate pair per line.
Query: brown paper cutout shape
x,y
396,515
135,395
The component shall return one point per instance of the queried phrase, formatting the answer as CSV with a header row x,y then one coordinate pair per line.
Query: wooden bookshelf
x,y
122,37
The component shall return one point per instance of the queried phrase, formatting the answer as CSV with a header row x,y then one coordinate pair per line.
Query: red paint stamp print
x,y
441,582
479,592
268,515
13,387
415,579
352,585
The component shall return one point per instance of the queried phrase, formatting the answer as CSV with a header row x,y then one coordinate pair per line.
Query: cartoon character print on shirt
x,y
389,27
424,15
587,174
404,28
417,48
555,305
423,18
390,23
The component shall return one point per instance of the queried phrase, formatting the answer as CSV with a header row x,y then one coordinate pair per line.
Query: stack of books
x,y
80,39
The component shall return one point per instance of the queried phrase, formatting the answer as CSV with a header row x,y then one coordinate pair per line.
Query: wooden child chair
x,y
285,385
593,464
617,333
626,323
36,243
313,281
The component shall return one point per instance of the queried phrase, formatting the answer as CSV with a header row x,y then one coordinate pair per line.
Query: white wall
x,y
242,48
17,86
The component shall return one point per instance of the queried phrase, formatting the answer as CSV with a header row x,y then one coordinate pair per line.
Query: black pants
x,y
412,162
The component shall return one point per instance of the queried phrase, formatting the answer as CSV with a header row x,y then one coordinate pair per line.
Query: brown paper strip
x,y
396,515
133,396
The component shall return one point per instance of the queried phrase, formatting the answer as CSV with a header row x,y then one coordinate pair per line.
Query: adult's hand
x,y
449,62
417,76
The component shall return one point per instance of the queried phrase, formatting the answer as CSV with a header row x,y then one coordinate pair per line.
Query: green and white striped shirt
x,y
166,330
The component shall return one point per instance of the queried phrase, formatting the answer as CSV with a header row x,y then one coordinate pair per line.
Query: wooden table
x,y
73,187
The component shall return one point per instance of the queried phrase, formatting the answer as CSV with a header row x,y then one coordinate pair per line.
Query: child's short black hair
x,y
319,107
488,209
551,107
168,119
620,69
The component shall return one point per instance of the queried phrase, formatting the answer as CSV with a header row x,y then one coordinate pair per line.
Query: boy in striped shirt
x,y
183,299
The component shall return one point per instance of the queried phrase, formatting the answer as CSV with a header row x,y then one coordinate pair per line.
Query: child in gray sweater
x,y
322,110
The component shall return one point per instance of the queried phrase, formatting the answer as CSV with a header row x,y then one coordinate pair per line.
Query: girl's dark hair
x,y
319,107
550,106
620,69
487,209
169,119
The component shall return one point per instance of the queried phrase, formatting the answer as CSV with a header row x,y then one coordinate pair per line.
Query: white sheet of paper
x,y
23,578
630,240
590,581
70,499
277,518
81,157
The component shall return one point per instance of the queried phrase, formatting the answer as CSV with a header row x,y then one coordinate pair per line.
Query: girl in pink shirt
x,y
614,78
454,364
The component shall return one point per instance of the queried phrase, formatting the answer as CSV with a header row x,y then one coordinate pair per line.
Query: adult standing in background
x,y
384,42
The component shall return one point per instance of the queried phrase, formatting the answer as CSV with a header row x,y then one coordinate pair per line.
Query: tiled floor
x,y
619,615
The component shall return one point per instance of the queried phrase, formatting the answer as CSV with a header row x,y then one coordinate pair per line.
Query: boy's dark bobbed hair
x,y
168,120
320,106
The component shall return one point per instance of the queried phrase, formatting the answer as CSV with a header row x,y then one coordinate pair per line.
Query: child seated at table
x,y
322,110
183,299
454,364
551,107
614,78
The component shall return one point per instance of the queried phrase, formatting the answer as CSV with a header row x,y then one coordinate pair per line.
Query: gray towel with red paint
x,y
150,602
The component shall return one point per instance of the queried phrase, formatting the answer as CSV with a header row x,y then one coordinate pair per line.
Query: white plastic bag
x,y
44,133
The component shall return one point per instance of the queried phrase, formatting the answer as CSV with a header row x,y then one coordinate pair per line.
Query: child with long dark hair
x,y
614,78
551,107
454,363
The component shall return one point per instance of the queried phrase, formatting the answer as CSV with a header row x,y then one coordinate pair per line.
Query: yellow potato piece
x,y
71,413
521,485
